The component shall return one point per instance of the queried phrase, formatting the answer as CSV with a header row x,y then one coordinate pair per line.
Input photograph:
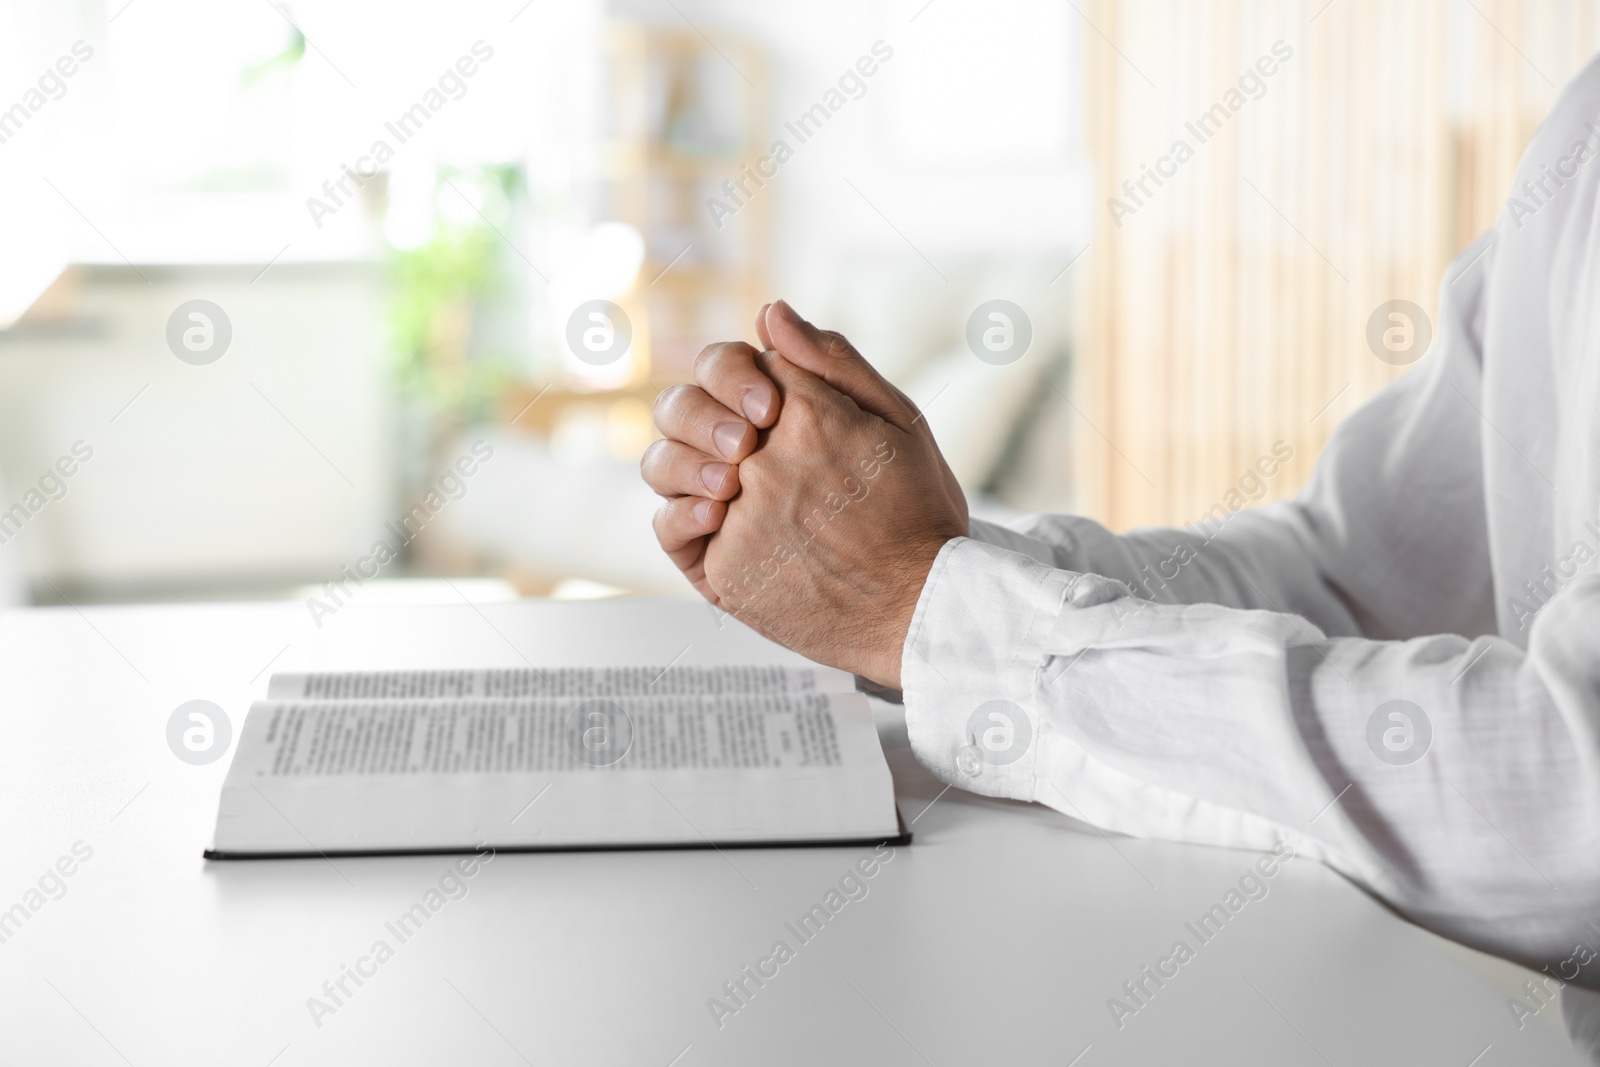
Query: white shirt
x,y
1232,706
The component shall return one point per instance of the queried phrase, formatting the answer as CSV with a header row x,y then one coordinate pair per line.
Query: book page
x,y
521,736
664,680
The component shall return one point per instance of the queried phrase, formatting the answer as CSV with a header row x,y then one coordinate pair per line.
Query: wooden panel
x,y
1228,310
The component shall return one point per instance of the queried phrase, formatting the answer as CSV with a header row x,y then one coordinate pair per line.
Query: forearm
x,y
1229,727
1254,560
1389,539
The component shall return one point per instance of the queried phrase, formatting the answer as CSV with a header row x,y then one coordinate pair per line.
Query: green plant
x,y
439,290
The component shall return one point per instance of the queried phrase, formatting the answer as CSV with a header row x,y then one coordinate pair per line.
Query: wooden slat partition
x,y
1229,310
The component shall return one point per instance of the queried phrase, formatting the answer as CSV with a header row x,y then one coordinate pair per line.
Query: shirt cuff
x,y
970,661
1000,536
992,630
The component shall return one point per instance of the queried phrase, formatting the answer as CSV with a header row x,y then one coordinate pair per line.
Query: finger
x,y
761,327
728,373
674,469
682,523
833,359
833,411
686,413
691,561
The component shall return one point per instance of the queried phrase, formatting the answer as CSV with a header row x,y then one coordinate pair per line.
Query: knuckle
x,y
664,403
769,362
835,344
674,524
715,360
670,406
680,519
706,360
801,408
805,417
657,456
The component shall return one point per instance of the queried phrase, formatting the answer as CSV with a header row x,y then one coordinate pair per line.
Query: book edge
x,y
904,837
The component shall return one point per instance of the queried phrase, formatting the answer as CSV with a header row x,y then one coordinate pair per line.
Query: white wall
x,y
199,479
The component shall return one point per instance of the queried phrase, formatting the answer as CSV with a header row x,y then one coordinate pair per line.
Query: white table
x,y
997,937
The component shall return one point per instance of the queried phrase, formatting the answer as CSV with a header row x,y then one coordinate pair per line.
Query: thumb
x,y
833,359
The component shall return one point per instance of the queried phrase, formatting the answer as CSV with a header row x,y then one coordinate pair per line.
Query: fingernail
x,y
702,512
756,404
714,476
789,314
728,437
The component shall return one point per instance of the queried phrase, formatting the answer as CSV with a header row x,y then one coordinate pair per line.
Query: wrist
x,y
910,576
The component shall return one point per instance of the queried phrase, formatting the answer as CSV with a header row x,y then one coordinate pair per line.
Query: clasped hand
x,y
804,493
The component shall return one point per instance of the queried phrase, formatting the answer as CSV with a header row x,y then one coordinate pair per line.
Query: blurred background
x,y
395,212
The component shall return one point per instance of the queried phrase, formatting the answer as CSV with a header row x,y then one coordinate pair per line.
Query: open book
x,y
561,758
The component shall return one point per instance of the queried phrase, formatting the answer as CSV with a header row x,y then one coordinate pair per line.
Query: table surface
x,y
1000,935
